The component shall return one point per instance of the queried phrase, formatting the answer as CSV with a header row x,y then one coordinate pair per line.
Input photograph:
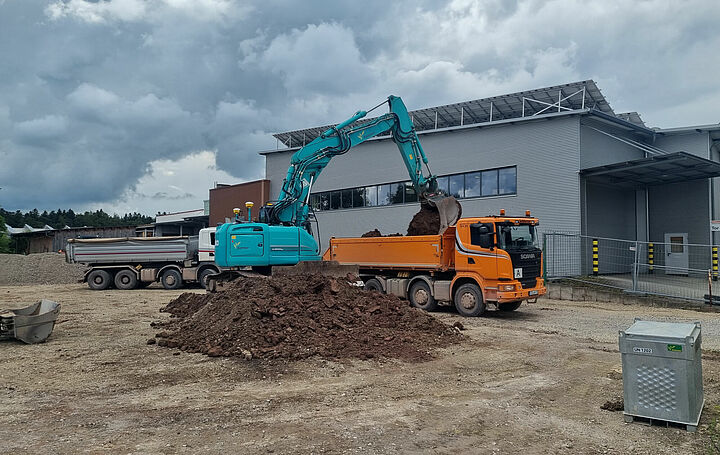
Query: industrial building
x,y
561,152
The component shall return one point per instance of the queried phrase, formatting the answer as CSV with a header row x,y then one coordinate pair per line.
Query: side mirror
x,y
486,240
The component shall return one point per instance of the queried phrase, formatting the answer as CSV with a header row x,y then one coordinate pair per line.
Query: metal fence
x,y
681,270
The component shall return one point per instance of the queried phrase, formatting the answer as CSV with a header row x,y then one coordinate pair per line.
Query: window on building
x,y
410,194
457,185
490,182
397,191
315,202
325,201
358,197
384,195
371,196
347,199
507,180
472,184
335,200
442,185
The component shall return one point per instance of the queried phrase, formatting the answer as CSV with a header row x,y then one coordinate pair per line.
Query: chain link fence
x,y
681,270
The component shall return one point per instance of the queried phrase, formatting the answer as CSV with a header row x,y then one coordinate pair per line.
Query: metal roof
x,y
655,170
558,98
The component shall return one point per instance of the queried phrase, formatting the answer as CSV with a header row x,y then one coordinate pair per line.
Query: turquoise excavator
x,y
284,234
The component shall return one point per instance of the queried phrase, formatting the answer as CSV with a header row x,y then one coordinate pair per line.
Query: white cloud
x,y
107,95
170,185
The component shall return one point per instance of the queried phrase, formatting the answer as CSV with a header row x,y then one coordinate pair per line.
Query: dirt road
x,y
526,382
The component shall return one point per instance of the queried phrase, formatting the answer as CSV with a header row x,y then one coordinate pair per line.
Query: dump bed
x,y
421,252
131,250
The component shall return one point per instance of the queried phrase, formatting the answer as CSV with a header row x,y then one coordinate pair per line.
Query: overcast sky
x,y
132,105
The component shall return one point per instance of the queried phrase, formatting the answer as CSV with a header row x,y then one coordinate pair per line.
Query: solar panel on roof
x,y
558,98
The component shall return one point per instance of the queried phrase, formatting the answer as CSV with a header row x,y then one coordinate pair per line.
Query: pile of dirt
x,y
376,233
425,222
295,317
38,268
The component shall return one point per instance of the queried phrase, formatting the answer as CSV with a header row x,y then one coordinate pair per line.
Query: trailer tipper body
x,y
130,262
479,261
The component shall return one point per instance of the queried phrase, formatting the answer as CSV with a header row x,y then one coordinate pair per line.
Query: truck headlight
x,y
507,287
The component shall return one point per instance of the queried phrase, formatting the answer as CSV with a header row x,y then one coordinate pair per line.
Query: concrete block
x,y
578,294
553,292
566,293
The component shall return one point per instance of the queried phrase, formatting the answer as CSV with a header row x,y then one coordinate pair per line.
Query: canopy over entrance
x,y
654,170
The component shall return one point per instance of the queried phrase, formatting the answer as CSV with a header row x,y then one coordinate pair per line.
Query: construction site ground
x,y
532,381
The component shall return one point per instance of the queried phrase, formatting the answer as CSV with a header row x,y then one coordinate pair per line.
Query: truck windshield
x,y
516,236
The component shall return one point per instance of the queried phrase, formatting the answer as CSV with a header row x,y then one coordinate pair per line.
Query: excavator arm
x,y
306,164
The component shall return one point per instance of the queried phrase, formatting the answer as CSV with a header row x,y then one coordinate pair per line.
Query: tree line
x,y
58,219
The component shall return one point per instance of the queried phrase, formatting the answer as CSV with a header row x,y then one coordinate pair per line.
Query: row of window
x,y
491,182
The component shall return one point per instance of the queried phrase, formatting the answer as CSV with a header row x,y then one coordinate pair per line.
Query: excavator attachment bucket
x,y
449,209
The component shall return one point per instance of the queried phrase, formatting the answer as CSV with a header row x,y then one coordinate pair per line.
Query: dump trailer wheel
x,y
99,280
373,284
171,279
202,277
126,280
421,296
469,300
509,306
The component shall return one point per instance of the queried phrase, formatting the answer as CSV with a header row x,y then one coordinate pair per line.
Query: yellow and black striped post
x,y
595,257
651,258
714,263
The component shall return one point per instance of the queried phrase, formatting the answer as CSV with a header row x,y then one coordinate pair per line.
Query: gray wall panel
x,y
611,212
680,207
598,149
695,143
545,152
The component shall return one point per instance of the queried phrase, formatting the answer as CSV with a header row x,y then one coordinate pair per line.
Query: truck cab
x,y
501,253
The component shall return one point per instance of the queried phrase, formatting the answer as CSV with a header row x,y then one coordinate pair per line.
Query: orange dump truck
x,y
483,261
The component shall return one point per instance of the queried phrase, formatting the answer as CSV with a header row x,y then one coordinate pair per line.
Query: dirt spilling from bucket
x,y
295,317
425,222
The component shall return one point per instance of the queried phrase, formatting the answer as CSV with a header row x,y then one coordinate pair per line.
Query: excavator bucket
x,y
448,208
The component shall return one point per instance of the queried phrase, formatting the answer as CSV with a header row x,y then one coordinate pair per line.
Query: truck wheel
x,y
99,280
202,277
125,279
373,284
469,300
509,306
171,279
421,297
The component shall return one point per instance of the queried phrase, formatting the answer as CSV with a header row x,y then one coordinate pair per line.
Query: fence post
x,y
595,260
651,258
714,263
635,268
544,258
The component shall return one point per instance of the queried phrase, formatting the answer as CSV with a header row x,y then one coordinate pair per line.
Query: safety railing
x,y
680,270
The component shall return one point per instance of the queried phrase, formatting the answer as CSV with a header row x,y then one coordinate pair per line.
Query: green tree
x,y
4,237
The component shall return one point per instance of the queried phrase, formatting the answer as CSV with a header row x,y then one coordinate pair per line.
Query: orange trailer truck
x,y
483,261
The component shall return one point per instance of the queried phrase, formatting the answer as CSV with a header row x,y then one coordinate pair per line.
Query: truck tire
x,y
469,300
126,280
509,306
171,279
373,284
421,296
99,280
202,276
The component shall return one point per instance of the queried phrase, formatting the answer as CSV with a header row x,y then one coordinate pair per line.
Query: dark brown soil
x,y
295,317
373,233
617,404
425,222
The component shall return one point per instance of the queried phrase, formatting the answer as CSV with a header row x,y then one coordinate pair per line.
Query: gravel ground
x,y
527,382
40,268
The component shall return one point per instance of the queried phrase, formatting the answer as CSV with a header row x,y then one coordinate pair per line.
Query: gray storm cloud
x,y
93,92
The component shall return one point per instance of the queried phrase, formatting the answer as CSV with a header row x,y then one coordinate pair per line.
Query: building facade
x,y
559,151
